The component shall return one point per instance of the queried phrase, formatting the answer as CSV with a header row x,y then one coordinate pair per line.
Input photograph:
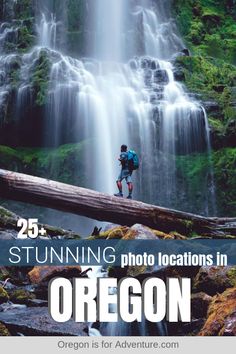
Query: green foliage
x,y
193,169
9,158
23,9
232,275
224,168
213,79
3,295
40,78
208,27
64,164
76,15
25,38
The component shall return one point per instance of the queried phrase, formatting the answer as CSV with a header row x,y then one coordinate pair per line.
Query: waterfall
x,y
47,32
124,91
110,100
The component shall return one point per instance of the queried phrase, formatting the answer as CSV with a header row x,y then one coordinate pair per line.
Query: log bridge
x,y
104,207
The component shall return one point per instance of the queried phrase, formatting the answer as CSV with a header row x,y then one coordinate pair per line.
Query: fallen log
x,y
103,207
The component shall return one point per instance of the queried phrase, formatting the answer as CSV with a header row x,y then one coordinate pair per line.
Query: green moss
x,y
4,331
65,163
9,158
208,27
214,79
76,15
188,224
40,78
23,9
4,213
206,75
193,169
232,276
21,296
225,178
3,295
25,39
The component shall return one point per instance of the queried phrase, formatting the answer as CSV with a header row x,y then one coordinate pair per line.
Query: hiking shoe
x,y
129,197
118,195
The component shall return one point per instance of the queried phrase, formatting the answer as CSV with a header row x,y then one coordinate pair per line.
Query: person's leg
x,y
119,185
130,186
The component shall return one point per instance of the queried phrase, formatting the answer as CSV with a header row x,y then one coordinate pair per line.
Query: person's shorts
x,y
125,174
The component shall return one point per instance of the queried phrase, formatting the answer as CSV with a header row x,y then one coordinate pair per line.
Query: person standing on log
x,y
129,162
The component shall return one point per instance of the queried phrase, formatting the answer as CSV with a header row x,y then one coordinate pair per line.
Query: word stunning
x,y
107,300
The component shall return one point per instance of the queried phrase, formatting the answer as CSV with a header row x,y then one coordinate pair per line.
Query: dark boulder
x,y
161,77
199,304
37,322
214,280
179,74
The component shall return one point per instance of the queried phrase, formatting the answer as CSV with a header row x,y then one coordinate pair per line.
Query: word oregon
x,y
107,300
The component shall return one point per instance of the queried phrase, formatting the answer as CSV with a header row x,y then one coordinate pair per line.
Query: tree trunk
x,y
103,207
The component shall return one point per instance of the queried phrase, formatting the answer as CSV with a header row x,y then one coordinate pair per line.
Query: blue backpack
x,y
133,160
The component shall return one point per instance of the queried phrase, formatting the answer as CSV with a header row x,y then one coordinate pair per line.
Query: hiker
x,y
129,162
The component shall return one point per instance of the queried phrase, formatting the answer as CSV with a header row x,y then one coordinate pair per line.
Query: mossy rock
x,y
173,235
177,236
134,271
21,296
221,316
117,232
139,232
4,273
232,275
4,297
160,234
4,331
43,274
130,235
214,280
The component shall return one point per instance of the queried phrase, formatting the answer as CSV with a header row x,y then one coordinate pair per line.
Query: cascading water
x,y
125,93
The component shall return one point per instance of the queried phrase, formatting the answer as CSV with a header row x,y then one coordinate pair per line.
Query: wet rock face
x,y
214,280
221,318
179,74
161,76
7,234
44,274
38,322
